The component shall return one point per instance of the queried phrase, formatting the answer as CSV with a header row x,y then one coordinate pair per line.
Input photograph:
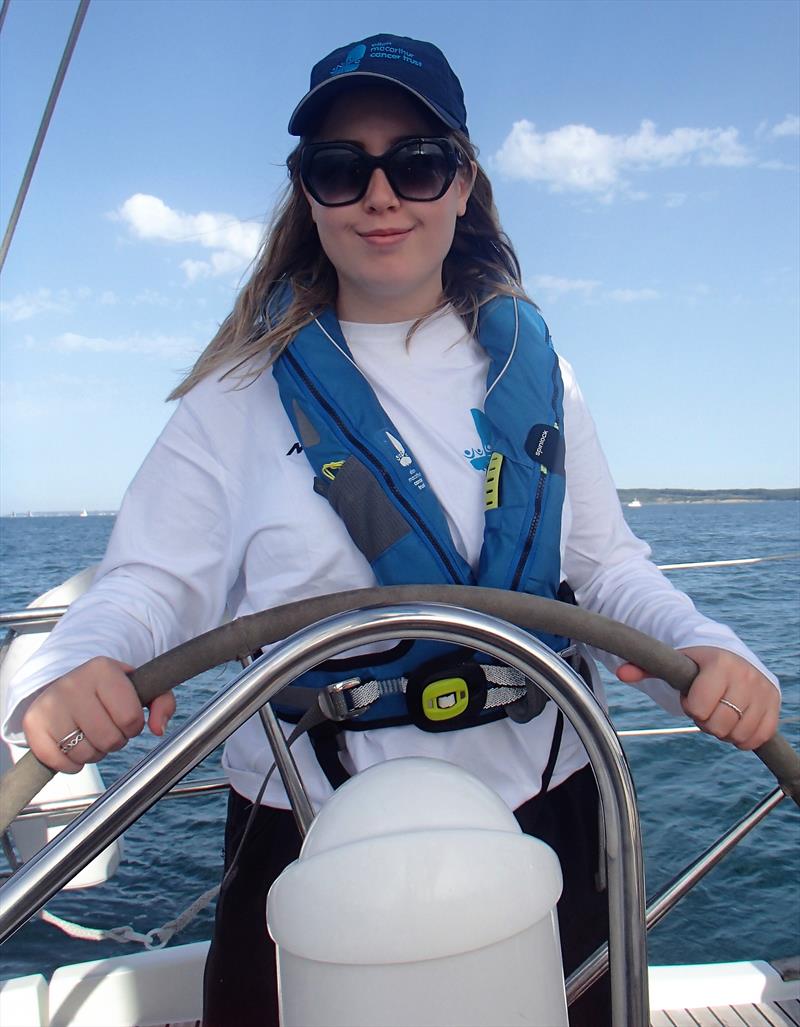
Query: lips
x,y
381,233
384,236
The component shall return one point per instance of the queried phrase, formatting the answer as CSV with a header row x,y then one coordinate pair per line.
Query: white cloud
x,y
675,199
578,158
777,165
150,345
20,404
36,402
554,287
234,243
28,305
632,295
790,126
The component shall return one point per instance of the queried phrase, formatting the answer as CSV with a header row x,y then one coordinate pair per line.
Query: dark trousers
x,y
240,988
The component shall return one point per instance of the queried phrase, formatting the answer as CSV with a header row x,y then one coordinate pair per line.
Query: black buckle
x,y
444,696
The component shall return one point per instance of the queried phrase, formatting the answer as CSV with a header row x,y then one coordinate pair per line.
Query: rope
x,y
157,938
3,12
726,563
45,122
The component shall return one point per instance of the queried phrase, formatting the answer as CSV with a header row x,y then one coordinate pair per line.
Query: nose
x,y
379,194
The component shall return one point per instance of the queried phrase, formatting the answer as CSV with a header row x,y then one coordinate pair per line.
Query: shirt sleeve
x,y
166,573
610,569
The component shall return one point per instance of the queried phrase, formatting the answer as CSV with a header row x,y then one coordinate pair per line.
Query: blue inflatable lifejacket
x,y
370,477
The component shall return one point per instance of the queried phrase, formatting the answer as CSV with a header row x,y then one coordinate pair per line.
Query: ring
x,y
733,706
71,740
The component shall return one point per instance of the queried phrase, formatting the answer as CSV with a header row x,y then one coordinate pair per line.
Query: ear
x,y
466,180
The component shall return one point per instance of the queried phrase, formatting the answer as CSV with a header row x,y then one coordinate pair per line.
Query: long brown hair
x,y
481,264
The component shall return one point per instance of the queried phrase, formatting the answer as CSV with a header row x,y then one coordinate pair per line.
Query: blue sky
x,y
645,164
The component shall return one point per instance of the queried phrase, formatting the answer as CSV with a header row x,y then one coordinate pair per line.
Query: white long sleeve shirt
x,y
222,514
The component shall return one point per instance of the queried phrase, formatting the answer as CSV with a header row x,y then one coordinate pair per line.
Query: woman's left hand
x,y
724,675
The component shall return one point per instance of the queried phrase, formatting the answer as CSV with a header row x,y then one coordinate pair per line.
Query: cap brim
x,y
307,113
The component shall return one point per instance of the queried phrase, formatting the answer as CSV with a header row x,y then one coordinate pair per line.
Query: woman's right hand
x,y
98,700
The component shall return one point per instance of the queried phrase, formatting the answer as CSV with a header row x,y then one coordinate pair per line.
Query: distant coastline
x,y
649,497
18,514
639,497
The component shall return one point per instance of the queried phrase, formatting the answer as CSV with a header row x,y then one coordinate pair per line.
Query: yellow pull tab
x,y
329,470
491,488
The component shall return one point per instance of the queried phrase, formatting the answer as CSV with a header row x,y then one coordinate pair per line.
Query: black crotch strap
x,y
579,664
555,748
327,741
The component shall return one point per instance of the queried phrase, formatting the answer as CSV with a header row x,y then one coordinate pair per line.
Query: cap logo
x,y
377,51
351,61
388,51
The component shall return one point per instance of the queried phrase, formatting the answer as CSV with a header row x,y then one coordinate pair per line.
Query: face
x,y
387,252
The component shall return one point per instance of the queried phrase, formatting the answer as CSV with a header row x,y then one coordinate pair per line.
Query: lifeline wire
x,y
48,113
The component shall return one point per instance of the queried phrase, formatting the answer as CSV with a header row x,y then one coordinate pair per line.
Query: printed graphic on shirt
x,y
296,448
480,455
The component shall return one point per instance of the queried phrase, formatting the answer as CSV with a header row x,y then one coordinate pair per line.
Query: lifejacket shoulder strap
x,y
525,482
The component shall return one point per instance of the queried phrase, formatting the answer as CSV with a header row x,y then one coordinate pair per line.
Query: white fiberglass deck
x,y
164,989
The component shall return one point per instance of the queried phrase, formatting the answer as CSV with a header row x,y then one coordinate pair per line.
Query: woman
x,y
383,349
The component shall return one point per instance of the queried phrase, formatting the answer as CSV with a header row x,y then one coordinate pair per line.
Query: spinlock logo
x,y
351,61
545,446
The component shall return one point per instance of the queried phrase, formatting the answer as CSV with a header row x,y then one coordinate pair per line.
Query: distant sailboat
x,y
634,503
83,513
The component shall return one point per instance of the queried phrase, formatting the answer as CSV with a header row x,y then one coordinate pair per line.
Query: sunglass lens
x,y
420,171
336,176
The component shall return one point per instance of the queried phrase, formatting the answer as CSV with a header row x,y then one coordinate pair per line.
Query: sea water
x,y
690,787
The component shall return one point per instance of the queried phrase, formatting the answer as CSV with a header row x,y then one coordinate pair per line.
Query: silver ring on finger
x,y
69,741
733,706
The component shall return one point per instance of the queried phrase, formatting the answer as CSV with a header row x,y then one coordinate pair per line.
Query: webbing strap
x,y
506,686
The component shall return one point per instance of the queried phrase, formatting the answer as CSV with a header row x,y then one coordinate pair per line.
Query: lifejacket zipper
x,y
537,516
387,478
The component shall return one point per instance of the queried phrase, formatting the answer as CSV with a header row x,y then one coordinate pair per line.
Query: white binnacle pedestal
x,y
417,900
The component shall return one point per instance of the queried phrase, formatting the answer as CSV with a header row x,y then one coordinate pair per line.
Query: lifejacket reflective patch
x,y
491,489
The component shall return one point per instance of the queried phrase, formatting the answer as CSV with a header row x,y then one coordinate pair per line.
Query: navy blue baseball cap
x,y
419,68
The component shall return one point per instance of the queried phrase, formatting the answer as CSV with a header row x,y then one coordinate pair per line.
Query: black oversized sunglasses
x,y
420,170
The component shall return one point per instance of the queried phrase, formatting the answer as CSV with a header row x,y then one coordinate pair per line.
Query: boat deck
x,y
765,1014
785,1013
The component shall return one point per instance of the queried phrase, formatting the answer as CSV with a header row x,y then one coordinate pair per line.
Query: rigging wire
x,y
3,13
45,122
